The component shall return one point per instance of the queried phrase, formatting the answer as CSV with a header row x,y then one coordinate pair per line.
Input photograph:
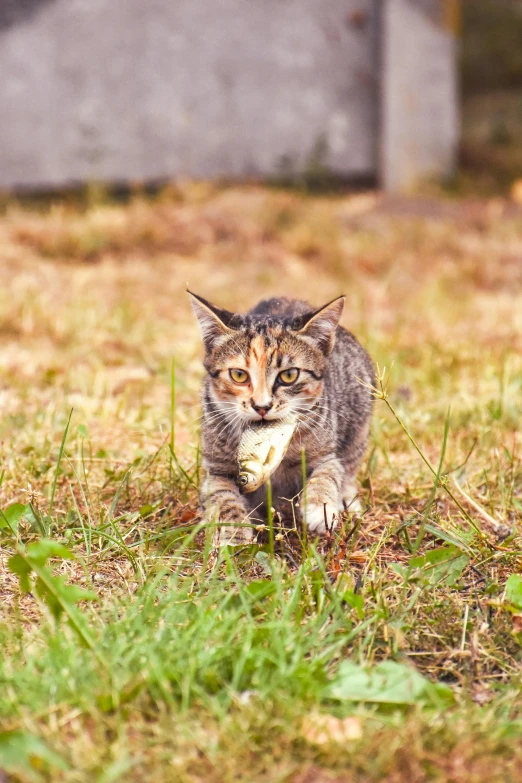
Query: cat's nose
x,y
262,409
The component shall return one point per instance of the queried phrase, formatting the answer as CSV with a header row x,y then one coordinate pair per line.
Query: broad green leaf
x,y
109,701
17,565
400,569
40,551
460,540
32,520
514,590
261,588
263,559
60,598
437,566
69,594
10,517
387,683
24,753
356,601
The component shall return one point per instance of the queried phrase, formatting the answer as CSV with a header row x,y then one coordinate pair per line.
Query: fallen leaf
x,y
481,694
389,682
320,729
187,515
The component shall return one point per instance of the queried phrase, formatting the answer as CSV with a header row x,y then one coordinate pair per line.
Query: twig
x,y
464,628
482,511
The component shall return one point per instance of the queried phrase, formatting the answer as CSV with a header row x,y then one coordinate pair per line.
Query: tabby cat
x,y
283,359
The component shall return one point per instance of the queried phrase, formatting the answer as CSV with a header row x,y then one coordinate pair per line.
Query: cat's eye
x,y
239,376
288,376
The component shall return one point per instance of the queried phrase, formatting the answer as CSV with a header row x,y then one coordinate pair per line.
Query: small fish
x,y
261,450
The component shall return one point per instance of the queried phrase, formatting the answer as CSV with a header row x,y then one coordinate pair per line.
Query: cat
x,y
283,359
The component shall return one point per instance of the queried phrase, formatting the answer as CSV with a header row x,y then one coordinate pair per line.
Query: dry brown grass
x,y
92,312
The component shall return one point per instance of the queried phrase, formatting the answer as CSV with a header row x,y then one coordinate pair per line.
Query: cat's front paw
x,y
229,535
353,505
350,497
320,517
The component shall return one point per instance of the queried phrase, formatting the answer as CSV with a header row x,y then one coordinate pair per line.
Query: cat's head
x,y
265,365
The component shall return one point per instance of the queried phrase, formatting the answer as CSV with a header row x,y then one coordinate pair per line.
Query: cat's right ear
x,y
320,325
214,322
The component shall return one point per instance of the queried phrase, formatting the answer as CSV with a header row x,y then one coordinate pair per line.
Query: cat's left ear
x,y
320,325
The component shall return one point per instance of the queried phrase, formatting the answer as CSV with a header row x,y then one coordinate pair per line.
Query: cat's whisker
x,y
206,405
215,416
234,434
308,426
328,410
210,419
324,426
218,435
301,422
314,421
222,408
235,425
210,403
314,410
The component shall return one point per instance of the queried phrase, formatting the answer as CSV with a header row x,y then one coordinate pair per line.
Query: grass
x,y
251,666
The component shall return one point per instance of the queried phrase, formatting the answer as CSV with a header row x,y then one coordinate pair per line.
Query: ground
x,y
254,666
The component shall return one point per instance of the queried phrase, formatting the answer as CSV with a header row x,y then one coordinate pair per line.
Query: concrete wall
x,y
419,127
145,89
122,90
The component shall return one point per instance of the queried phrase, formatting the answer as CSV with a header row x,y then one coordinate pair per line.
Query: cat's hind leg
x,y
350,497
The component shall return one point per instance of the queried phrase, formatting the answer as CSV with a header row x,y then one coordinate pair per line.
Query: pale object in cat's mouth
x,y
261,450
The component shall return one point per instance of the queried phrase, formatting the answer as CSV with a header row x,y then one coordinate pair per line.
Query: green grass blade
x,y
57,471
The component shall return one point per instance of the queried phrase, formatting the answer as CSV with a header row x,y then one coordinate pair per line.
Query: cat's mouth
x,y
270,417
257,419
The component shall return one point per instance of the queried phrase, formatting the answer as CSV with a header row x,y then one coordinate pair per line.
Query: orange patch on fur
x,y
259,352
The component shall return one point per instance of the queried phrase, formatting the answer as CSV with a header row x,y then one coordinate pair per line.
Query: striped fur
x,y
332,408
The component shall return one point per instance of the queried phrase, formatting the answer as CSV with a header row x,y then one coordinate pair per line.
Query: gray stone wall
x,y
419,127
123,90
146,89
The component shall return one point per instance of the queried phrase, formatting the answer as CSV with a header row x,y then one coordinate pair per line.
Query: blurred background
x,y
395,93
491,88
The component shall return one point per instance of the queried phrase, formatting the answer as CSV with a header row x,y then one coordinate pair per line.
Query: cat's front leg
x,y
322,501
223,505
